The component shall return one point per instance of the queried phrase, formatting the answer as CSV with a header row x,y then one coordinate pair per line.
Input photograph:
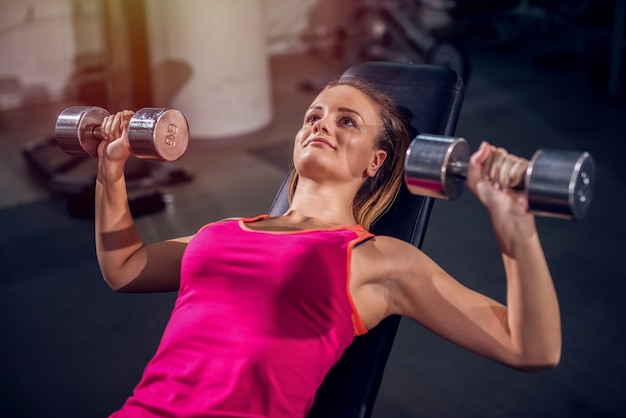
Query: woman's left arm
x,y
524,334
533,315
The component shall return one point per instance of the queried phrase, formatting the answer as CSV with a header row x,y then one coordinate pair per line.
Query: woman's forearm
x,y
532,304
117,238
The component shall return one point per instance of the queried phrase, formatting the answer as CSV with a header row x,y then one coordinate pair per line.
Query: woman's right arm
x,y
126,262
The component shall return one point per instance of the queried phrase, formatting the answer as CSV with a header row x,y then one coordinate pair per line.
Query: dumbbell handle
x,y
95,131
459,169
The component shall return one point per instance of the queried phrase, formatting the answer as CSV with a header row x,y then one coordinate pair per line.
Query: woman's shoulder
x,y
389,242
384,248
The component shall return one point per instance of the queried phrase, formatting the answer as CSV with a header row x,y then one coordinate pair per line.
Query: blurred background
x,y
538,74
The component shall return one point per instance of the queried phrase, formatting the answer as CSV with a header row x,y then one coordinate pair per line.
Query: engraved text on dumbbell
x,y
170,139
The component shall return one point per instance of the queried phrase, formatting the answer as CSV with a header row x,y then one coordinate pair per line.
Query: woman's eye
x,y
347,121
311,118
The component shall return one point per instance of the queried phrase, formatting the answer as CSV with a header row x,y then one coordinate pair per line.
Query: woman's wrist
x,y
110,171
514,232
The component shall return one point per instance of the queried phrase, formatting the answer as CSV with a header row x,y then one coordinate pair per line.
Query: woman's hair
x,y
377,193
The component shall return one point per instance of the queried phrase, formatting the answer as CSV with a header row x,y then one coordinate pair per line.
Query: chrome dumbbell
x,y
153,133
557,183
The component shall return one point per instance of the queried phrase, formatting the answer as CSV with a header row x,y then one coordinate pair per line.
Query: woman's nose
x,y
320,125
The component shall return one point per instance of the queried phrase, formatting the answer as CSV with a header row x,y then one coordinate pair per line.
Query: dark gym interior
x,y
71,347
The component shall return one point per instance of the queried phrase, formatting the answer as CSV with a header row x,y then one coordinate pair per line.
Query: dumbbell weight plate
x,y
75,130
436,166
158,134
560,184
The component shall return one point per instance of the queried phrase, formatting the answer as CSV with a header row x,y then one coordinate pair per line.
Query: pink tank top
x,y
260,319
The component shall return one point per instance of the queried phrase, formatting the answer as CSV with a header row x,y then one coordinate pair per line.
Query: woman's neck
x,y
329,205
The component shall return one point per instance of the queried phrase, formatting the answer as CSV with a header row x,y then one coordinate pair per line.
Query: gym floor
x,y
70,347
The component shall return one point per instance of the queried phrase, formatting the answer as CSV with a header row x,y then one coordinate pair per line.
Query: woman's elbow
x,y
537,367
144,282
113,284
113,279
540,363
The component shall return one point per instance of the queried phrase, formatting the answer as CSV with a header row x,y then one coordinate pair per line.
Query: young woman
x,y
267,305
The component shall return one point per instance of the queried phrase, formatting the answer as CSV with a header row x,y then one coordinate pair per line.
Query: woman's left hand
x,y
492,175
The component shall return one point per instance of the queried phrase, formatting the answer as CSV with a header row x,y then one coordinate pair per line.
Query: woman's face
x,y
337,140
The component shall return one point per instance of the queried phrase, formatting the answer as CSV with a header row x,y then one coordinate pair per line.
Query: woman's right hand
x,y
115,146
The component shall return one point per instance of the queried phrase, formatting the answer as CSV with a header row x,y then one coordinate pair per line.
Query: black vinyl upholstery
x,y
430,97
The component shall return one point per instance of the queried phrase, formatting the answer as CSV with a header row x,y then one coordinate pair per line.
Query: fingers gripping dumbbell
x,y
557,183
157,134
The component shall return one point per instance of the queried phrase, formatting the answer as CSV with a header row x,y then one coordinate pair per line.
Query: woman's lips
x,y
318,141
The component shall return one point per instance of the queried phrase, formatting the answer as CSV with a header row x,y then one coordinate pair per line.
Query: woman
x,y
267,305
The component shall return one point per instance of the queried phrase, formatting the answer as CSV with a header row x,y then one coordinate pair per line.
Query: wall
x,y
49,47
38,48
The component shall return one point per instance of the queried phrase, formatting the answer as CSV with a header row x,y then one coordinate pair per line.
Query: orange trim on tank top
x,y
362,235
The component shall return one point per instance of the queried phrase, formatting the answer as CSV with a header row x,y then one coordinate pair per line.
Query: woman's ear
x,y
377,160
